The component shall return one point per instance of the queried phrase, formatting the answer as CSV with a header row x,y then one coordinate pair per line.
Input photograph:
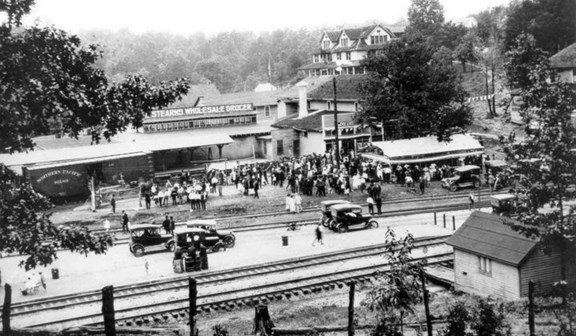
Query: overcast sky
x,y
213,16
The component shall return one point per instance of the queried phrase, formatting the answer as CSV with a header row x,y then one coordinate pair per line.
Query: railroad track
x,y
160,299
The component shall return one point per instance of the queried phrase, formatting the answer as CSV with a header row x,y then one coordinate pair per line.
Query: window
x,y
279,147
348,56
484,265
326,44
267,111
339,56
378,39
344,42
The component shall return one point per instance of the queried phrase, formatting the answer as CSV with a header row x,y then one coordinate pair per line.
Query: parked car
x,y
325,210
347,217
147,237
464,177
184,238
227,237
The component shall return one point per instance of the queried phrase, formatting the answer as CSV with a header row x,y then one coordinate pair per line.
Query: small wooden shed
x,y
492,259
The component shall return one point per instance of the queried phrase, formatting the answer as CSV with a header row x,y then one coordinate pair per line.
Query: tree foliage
x,y
545,160
523,57
425,17
48,78
399,289
551,22
414,91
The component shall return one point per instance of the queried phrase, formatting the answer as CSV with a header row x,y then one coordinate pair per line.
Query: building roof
x,y
264,87
138,143
312,122
256,98
425,148
488,235
347,86
565,58
196,91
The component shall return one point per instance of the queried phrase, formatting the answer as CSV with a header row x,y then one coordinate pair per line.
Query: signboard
x,y
59,182
344,120
180,112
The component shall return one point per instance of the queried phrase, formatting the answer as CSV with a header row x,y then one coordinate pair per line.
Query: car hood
x,y
224,232
450,179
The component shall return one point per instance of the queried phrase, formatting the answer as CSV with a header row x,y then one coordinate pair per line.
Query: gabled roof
x,y
262,98
565,58
487,235
332,35
196,91
312,122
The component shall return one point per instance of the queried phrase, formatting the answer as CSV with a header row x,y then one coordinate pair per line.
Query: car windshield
x,y
146,233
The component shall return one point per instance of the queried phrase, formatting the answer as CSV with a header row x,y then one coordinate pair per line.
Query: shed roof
x,y
428,148
312,122
565,58
487,235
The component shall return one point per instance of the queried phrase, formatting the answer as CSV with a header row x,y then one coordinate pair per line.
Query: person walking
x,y
256,188
124,221
113,204
370,201
318,236
471,201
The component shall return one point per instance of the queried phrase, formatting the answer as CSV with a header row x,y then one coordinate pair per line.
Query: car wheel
x,y
323,221
218,248
342,229
476,184
138,250
372,224
171,246
453,187
229,241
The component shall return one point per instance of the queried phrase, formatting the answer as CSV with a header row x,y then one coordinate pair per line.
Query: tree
x,y
413,91
545,160
425,17
48,78
399,289
551,22
466,51
523,57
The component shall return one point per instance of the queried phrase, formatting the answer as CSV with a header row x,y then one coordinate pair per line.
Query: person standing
x,y
107,225
113,204
370,202
166,225
172,225
471,201
124,221
147,200
318,236
256,188
298,202
422,184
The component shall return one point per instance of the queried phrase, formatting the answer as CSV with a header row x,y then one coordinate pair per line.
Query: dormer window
x,y
378,39
326,44
344,42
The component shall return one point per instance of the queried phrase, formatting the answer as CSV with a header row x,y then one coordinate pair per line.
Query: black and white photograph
x,y
330,168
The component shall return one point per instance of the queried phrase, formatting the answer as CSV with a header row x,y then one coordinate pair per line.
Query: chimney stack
x,y
302,99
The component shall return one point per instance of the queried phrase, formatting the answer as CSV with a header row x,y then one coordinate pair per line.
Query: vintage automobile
x,y
227,237
325,210
146,237
347,217
184,238
464,177
504,204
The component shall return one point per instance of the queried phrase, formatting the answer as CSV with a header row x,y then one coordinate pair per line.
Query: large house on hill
x,y
346,49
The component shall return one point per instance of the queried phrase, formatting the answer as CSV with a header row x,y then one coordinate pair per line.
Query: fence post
x,y
108,310
351,310
444,219
192,292
6,309
426,306
435,221
453,223
531,308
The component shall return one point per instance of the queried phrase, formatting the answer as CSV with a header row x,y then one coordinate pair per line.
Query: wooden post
x,y
444,219
192,293
262,322
435,220
351,310
108,310
531,308
203,258
6,310
426,306
453,223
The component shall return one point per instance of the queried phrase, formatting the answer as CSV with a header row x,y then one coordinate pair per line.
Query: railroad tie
x,y
128,323
157,318
279,296
306,291
146,319
339,284
139,322
288,295
326,287
174,315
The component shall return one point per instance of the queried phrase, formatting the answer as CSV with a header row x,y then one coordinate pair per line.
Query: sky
x,y
213,16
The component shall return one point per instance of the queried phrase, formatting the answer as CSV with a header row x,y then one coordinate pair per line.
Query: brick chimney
x,y
302,99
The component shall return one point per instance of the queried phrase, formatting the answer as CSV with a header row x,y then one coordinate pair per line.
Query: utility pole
x,y
337,147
